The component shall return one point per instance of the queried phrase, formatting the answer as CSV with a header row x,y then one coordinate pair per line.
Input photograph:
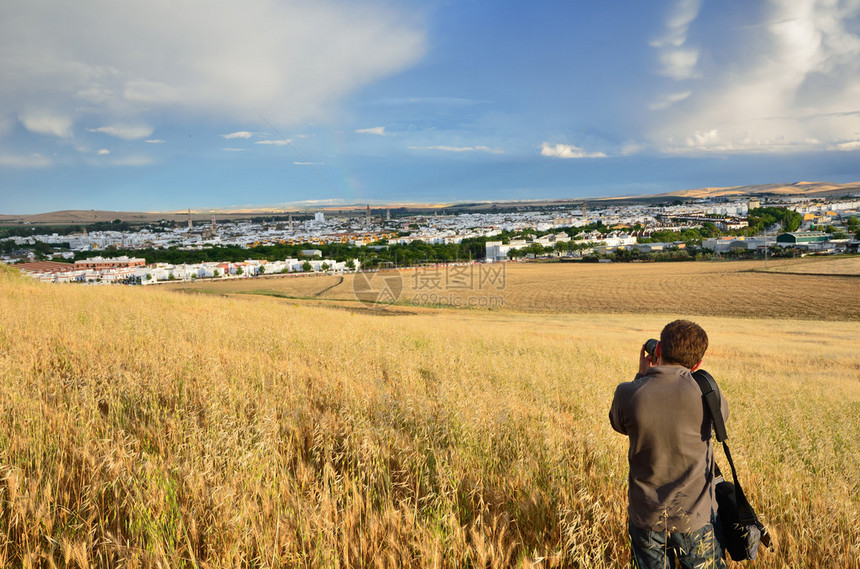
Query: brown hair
x,y
683,342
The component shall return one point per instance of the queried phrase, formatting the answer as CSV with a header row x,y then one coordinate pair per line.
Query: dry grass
x,y
145,428
735,289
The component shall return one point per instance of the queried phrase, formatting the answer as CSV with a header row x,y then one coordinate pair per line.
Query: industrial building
x,y
801,238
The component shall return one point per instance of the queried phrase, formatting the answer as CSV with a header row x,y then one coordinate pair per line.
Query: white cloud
x,y
42,122
708,138
444,148
432,101
378,130
154,141
103,152
631,147
678,60
792,84
679,63
125,132
847,146
567,151
715,140
134,161
281,142
238,134
685,12
234,149
328,201
29,161
291,61
668,100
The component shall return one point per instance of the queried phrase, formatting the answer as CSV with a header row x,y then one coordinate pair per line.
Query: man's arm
x,y
615,413
646,362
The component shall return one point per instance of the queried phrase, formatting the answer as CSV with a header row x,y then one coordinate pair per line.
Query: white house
x,y
498,251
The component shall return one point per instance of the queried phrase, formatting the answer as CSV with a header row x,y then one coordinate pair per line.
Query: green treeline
x,y
761,218
401,255
42,249
691,235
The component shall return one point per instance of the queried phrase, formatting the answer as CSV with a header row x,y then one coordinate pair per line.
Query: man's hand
x,y
645,360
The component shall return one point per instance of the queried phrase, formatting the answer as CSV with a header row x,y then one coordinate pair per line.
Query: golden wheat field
x,y
775,289
145,428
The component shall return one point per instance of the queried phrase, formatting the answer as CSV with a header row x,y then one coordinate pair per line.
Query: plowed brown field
x,y
777,289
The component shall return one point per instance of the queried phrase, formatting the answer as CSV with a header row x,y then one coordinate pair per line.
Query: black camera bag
x,y
742,531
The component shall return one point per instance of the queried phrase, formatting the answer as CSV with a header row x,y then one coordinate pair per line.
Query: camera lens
x,y
650,346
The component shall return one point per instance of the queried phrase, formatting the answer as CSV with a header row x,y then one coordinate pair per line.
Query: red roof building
x,y
99,263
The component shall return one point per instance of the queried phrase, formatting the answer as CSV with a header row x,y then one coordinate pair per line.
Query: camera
x,y
650,346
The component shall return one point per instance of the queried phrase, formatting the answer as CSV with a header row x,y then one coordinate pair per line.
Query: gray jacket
x,y
671,458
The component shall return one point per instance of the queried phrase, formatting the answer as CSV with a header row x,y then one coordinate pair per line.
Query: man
x,y
671,505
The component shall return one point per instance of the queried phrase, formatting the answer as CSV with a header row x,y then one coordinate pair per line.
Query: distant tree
x,y
325,267
42,250
350,264
171,277
534,249
761,218
261,270
306,266
240,271
794,221
709,230
216,273
285,270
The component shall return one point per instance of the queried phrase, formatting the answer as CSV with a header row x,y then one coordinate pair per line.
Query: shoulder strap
x,y
712,399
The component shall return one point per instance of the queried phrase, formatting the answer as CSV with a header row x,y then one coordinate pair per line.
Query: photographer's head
x,y
683,343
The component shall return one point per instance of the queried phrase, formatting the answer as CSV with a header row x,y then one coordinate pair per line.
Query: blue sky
x,y
166,105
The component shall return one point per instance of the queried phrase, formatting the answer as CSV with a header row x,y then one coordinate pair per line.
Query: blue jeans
x,y
699,549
